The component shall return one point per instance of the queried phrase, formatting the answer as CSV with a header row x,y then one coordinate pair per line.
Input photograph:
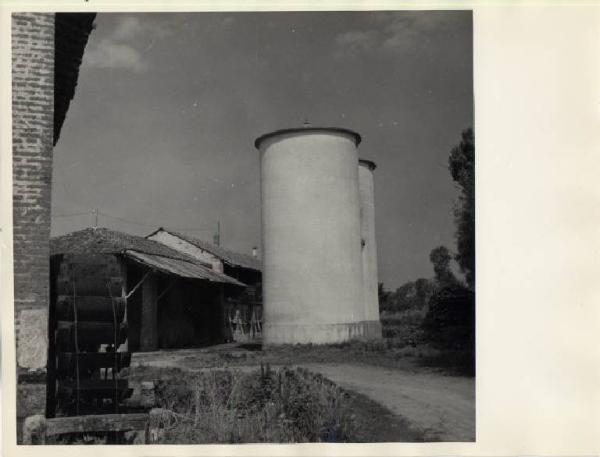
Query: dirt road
x,y
441,406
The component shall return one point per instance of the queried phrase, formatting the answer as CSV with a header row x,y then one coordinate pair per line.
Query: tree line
x,y
448,302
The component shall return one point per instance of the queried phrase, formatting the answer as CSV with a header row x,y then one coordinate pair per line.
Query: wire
x,y
126,220
70,215
129,221
76,346
122,219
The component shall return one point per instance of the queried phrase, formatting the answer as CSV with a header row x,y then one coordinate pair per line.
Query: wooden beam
x,y
123,268
55,262
93,285
67,361
99,388
149,325
89,333
97,423
94,308
222,325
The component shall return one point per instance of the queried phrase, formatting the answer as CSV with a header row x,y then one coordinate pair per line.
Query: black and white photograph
x,y
244,227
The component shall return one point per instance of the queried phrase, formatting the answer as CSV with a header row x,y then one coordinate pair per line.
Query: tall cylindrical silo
x,y
312,268
369,249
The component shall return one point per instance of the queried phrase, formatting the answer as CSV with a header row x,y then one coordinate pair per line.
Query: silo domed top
x,y
352,133
367,163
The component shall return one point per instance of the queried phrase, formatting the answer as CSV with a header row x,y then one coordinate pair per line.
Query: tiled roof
x,y
139,249
230,257
105,241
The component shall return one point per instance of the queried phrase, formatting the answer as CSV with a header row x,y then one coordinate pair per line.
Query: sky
x,y
161,129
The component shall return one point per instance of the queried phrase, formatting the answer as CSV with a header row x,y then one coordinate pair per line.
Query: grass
x,y
387,353
229,406
404,336
403,328
280,405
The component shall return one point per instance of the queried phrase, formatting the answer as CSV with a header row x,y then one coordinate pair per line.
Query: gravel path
x,y
442,406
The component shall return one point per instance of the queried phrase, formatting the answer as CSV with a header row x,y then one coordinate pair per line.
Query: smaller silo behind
x,y
372,327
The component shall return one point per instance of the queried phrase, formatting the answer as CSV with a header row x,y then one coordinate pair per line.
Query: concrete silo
x,y
312,268
369,248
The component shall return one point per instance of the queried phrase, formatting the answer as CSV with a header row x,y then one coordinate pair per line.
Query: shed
x,y
171,299
243,307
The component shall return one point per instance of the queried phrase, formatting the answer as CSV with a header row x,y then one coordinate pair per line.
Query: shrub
x,y
450,321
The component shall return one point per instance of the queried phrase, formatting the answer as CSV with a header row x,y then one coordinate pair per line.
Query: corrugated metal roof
x,y
181,268
227,256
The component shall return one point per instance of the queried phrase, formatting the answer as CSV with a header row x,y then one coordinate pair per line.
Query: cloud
x,y
109,54
415,28
127,28
353,42
118,49
396,32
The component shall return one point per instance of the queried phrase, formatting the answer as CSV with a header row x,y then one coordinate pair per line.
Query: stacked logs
x,y
88,329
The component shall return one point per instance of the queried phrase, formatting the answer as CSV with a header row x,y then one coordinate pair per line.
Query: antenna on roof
x,y
217,235
95,213
306,123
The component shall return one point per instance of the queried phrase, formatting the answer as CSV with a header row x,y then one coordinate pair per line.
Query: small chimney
x,y
254,251
217,265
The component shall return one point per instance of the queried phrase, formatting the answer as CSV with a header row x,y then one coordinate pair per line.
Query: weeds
x,y
283,405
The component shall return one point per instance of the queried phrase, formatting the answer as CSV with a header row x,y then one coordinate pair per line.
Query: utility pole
x,y
95,213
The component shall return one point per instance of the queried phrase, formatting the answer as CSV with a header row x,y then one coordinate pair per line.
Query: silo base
x,y
274,334
372,330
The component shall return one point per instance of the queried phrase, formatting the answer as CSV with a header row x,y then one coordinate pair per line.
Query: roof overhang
x,y
181,268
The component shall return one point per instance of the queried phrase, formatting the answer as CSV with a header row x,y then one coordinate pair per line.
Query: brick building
x,y
47,50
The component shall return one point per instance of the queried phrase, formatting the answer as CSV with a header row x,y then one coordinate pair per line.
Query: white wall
x,y
180,245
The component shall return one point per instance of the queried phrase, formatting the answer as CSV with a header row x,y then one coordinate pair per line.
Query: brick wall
x,y
33,132
40,42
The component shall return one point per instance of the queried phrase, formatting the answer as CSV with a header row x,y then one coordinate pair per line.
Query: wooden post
x,y
122,262
149,325
34,430
51,363
223,328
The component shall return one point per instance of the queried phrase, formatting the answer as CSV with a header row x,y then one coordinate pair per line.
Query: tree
x,y
462,167
450,325
423,290
440,258
450,320
384,297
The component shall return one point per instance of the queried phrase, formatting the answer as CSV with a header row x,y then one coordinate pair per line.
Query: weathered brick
x,y
33,125
38,110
